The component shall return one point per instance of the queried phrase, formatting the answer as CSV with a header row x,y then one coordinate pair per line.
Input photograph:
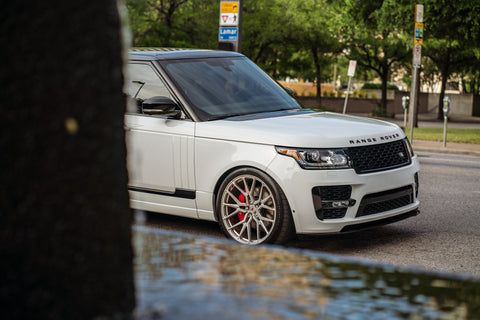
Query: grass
x,y
453,135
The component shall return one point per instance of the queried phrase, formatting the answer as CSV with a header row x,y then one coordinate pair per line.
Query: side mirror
x,y
160,106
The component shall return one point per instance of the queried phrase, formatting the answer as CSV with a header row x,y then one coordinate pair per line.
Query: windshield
x,y
222,87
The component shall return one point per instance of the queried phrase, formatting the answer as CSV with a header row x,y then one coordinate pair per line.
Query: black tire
x,y
252,209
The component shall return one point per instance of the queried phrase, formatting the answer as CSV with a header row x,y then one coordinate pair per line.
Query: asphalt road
x,y
444,237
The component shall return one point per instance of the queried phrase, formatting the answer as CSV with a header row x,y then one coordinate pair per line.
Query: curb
x,y
447,151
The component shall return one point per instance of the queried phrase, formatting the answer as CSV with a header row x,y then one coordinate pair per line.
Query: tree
x,y
65,222
311,30
451,37
174,23
471,75
262,40
374,34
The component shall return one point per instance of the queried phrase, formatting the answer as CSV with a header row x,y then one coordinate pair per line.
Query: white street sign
x,y
419,13
228,19
417,55
351,68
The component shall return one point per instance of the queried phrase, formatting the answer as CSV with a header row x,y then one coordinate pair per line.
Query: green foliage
x,y
362,94
376,34
452,38
174,23
381,113
304,39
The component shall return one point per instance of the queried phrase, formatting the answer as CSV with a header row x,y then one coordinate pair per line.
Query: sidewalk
x,y
452,148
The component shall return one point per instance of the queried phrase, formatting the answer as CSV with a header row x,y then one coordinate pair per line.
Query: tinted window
x,y
142,82
221,87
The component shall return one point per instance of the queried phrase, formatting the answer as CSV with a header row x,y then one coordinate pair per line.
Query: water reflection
x,y
210,279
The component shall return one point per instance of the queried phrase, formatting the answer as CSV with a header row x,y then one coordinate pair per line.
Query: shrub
x,y
379,112
362,94
378,86
373,95
340,93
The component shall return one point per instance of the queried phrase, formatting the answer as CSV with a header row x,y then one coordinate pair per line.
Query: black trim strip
x,y
179,193
365,225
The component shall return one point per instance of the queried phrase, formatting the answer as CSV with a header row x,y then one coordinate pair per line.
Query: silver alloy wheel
x,y
248,209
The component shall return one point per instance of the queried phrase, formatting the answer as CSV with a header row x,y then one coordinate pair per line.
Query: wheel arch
x,y
240,167
220,181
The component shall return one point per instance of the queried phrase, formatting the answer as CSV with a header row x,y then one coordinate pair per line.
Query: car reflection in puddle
x,y
179,276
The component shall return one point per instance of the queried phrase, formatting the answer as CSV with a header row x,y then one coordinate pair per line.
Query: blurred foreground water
x,y
179,276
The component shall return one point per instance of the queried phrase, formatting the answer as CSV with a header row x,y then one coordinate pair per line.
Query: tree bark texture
x,y
65,222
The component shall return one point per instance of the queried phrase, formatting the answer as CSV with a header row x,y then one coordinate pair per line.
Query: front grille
x,y
379,157
385,201
324,195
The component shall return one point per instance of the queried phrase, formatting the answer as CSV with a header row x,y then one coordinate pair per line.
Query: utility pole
x,y
417,56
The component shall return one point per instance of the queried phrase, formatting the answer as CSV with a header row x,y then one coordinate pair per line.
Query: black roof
x,y
169,53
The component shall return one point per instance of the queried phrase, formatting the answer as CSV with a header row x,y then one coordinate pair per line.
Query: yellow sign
x,y
229,7
418,33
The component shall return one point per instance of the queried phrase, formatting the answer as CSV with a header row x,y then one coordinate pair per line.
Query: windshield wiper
x,y
229,115
224,116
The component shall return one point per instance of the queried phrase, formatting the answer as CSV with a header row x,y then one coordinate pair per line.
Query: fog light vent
x,y
332,202
416,185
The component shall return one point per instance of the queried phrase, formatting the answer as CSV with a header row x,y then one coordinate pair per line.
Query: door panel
x,y
160,153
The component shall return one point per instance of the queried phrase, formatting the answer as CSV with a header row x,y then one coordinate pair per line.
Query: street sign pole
x,y
412,107
230,25
417,55
351,72
446,110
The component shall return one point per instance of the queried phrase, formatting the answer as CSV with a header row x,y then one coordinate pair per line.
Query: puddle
x,y
185,277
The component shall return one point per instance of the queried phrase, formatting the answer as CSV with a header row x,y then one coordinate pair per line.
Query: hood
x,y
310,130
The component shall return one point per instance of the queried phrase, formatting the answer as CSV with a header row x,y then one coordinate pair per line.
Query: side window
x,y
142,83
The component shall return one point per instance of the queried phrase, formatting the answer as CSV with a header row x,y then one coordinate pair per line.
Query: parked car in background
x,y
211,136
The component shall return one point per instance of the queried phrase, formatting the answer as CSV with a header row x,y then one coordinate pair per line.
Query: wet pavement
x,y
181,276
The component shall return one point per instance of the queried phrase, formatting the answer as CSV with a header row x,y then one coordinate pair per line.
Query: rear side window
x,y
141,83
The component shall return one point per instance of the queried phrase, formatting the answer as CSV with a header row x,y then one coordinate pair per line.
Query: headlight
x,y
317,158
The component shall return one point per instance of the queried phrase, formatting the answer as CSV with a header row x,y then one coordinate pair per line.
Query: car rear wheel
x,y
252,208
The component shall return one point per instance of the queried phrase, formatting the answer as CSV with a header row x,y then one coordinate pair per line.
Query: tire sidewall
x,y
276,193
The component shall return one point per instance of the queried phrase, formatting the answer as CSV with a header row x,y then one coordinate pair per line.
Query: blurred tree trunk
x,y
65,222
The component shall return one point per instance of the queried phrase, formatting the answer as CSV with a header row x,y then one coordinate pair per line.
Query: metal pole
x,y
412,104
346,98
445,131
405,116
240,24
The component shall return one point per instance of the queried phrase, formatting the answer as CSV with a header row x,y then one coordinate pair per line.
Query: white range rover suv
x,y
211,136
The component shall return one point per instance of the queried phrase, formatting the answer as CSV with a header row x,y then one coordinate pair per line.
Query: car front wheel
x,y
252,208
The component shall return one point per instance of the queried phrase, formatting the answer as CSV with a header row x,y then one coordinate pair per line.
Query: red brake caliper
x,y
241,198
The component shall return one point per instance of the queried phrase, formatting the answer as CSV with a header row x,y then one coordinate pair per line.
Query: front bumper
x,y
298,185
